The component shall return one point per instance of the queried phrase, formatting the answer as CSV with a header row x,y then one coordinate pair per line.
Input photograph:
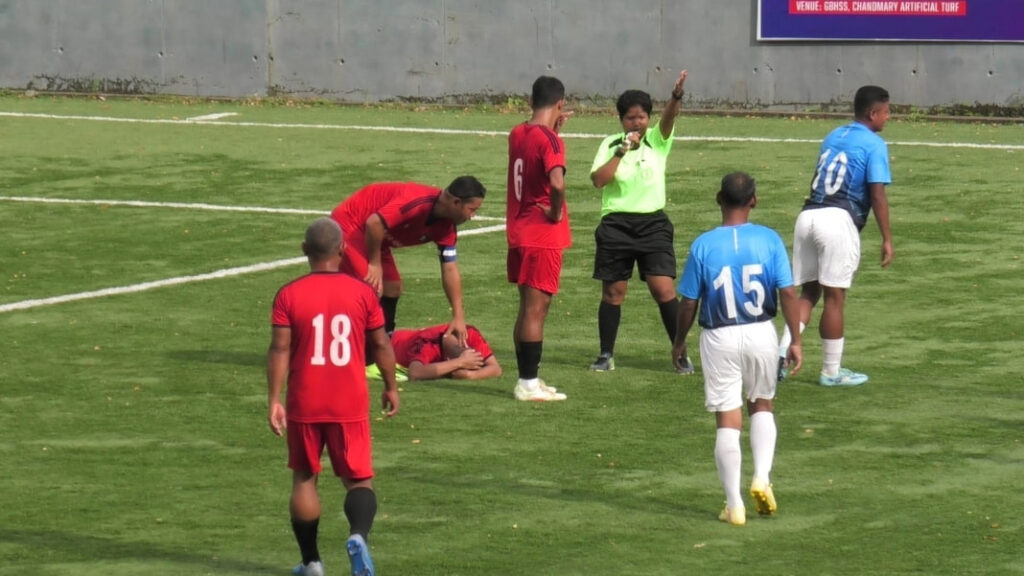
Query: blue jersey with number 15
x,y
736,272
852,156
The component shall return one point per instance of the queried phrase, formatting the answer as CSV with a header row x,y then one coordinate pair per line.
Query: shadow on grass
x,y
65,547
493,387
685,507
232,357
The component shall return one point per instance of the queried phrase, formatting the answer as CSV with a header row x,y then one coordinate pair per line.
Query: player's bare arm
x,y
468,360
277,375
606,173
384,356
668,116
880,206
790,302
374,237
556,177
451,281
490,369
434,370
562,119
420,371
687,315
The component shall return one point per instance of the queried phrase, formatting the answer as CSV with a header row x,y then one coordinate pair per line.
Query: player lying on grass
x,y
431,353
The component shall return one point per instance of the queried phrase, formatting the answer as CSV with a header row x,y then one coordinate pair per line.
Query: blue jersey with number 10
x,y
736,272
852,156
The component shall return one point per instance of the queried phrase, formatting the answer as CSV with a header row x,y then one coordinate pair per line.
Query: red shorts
x,y
539,268
356,263
348,445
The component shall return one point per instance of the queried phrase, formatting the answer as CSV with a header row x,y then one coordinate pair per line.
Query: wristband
x,y
678,97
619,152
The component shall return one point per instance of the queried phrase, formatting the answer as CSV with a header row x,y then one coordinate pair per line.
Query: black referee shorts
x,y
625,239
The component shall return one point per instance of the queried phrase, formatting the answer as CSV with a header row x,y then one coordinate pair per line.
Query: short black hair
x,y
866,98
547,91
738,188
466,188
631,98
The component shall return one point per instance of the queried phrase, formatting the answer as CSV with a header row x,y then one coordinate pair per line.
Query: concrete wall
x,y
454,50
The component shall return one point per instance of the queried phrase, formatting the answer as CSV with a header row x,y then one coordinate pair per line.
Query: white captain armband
x,y
446,253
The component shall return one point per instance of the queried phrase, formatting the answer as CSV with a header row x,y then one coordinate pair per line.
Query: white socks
x,y
728,460
832,351
762,443
529,384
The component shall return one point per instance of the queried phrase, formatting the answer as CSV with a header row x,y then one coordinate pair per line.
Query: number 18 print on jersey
x,y
329,314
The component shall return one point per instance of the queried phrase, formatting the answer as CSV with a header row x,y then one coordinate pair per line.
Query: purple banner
x,y
899,20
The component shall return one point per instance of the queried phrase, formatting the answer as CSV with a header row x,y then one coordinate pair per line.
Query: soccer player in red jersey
x,y
429,354
384,216
537,223
320,325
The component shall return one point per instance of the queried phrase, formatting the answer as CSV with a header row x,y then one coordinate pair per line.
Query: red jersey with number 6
x,y
533,152
329,314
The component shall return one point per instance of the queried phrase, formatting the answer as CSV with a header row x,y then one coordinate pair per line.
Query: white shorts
x,y
739,363
826,248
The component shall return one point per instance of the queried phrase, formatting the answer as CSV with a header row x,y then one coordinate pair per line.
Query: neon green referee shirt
x,y
639,184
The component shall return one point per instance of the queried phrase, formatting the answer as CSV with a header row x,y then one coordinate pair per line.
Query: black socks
x,y
608,318
360,509
305,534
528,359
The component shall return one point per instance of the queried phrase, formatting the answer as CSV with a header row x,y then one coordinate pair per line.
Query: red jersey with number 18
x,y
329,315
533,152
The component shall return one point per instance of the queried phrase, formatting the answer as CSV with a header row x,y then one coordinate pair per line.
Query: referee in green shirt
x,y
629,168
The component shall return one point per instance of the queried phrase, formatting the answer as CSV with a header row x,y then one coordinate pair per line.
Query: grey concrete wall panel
x,y
359,50
456,50
208,48
214,47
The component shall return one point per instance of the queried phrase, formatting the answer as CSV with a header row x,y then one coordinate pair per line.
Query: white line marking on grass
x,y
454,131
25,304
143,204
189,206
226,273
206,117
483,230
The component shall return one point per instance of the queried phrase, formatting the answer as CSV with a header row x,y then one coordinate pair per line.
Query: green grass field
x,y
134,436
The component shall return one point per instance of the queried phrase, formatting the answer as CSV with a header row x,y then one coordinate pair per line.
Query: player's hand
x,y
632,141
277,418
374,277
457,328
679,356
549,213
678,88
794,358
886,254
470,359
389,402
562,119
